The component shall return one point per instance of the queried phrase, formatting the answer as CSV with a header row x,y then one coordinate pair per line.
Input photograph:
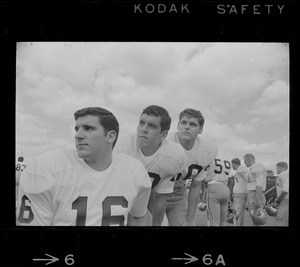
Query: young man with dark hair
x,y
182,204
86,187
163,159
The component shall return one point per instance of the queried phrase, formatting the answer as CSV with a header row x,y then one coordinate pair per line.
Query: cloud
x,y
248,127
273,102
28,124
222,80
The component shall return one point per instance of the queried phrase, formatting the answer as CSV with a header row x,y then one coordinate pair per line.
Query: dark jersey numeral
x,y
156,179
218,164
24,208
189,173
107,218
80,204
190,170
20,167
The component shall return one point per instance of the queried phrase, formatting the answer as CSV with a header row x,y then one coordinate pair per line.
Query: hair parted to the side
x,y
236,161
249,156
189,112
108,121
283,165
158,111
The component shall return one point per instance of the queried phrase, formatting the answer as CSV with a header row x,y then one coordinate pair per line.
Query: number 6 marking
x,y
69,259
24,208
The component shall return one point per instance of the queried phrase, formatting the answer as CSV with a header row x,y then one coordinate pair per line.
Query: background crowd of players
x,y
139,179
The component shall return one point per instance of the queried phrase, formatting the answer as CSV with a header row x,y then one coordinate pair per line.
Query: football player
x,y
218,193
89,186
182,203
20,167
239,190
282,188
162,158
256,184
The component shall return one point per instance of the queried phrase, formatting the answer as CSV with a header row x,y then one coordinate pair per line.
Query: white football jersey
x,y
257,176
240,178
60,189
199,157
218,171
163,166
282,184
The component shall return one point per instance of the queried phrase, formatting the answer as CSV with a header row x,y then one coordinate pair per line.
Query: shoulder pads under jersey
x,y
242,169
256,168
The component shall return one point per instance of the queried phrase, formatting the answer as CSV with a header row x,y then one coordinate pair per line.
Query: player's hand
x,y
257,203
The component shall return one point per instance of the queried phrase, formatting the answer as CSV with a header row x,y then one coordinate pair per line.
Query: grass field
x,y
270,192
201,220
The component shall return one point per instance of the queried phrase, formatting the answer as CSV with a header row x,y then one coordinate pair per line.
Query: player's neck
x,y
186,143
149,151
101,163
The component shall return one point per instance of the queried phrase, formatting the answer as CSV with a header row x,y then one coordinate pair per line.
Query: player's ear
x,y
111,136
200,129
164,134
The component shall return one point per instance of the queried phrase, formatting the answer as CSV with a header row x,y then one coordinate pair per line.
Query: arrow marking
x,y
189,260
51,260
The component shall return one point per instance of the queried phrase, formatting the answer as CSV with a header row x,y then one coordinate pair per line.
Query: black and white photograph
x,y
240,91
149,133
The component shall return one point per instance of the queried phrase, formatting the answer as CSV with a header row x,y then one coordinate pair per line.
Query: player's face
x,y
149,132
234,166
188,128
278,169
247,162
90,139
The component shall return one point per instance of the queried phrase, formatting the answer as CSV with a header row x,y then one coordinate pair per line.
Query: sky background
x,y
242,90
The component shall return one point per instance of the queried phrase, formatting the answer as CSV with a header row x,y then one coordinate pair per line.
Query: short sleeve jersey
x,y
163,166
282,183
60,189
257,176
199,157
240,177
218,171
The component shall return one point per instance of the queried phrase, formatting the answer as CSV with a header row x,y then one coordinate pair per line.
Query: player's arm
x,y
285,188
258,195
157,207
258,172
145,220
193,197
242,172
139,214
259,187
281,197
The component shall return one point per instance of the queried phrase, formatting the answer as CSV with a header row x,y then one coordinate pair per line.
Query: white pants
x,y
282,216
217,204
239,205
